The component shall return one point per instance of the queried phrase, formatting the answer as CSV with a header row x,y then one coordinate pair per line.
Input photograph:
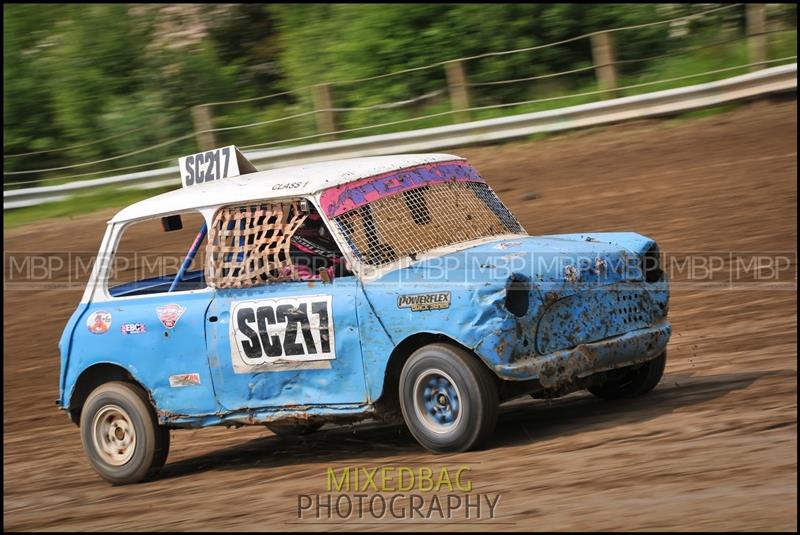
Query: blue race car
x,y
391,287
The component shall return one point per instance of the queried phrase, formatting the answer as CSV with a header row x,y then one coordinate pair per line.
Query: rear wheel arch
x,y
120,433
94,376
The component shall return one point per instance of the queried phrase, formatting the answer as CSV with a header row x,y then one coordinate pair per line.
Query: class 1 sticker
x,y
277,331
426,301
99,322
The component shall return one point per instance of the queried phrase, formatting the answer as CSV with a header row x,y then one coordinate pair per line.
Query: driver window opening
x,y
313,249
152,253
261,243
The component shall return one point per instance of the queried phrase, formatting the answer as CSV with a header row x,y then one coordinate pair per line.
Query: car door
x,y
135,321
286,343
160,338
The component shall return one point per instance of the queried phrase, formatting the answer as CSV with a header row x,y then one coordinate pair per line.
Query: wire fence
x,y
445,98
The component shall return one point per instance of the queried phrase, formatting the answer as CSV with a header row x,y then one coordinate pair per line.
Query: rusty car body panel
x,y
539,310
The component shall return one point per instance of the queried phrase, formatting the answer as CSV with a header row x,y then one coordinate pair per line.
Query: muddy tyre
x,y
293,429
632,381
448,398
121,435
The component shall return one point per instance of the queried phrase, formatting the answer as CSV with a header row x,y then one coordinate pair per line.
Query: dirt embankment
x,y
712,448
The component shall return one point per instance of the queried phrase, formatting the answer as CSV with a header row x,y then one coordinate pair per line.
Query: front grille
x,y
591,316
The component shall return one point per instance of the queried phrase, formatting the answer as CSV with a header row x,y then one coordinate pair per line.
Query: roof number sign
x,y
212,165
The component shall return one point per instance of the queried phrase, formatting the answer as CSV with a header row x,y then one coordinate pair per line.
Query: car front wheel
x,y
448,398
121,435
631,381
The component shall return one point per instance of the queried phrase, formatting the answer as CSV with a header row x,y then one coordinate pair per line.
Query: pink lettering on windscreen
x,y
341,199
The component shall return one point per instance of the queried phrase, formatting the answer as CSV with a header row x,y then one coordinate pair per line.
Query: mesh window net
x,y
423,218
249,245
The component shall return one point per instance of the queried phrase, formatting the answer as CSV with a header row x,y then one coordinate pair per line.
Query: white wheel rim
x,y
113,435
437,401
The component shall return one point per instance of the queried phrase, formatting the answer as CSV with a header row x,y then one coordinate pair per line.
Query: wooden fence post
x,y
326,123
201,117
457,87
604,66
756,35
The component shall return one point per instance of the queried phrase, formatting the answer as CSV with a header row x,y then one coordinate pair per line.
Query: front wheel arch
x,y
388,402
449,399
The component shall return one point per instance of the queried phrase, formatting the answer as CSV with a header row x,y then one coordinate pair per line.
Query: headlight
x,y
651,264
518,290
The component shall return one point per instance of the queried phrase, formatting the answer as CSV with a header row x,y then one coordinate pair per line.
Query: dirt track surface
x,y
713,447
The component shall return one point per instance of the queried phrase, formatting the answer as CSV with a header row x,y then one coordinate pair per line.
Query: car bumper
x,y
562,367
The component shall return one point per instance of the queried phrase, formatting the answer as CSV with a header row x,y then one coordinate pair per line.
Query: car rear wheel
x,y
121,435
632,381
448,398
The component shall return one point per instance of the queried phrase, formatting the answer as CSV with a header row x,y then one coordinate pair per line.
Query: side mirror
x,y
171,222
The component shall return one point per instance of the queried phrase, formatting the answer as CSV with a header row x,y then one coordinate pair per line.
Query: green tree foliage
x,y
128,74
74,74
346,41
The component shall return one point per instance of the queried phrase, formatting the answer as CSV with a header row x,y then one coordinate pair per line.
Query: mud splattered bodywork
x,y
433,254
549,308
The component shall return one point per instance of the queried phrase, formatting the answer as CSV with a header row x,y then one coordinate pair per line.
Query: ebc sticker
x,y
170,314
276,331
133,328
99,322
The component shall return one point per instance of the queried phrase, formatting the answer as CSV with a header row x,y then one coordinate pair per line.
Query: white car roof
x,y
294,181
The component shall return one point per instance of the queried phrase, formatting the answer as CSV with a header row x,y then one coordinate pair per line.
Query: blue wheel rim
x,y
437,401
